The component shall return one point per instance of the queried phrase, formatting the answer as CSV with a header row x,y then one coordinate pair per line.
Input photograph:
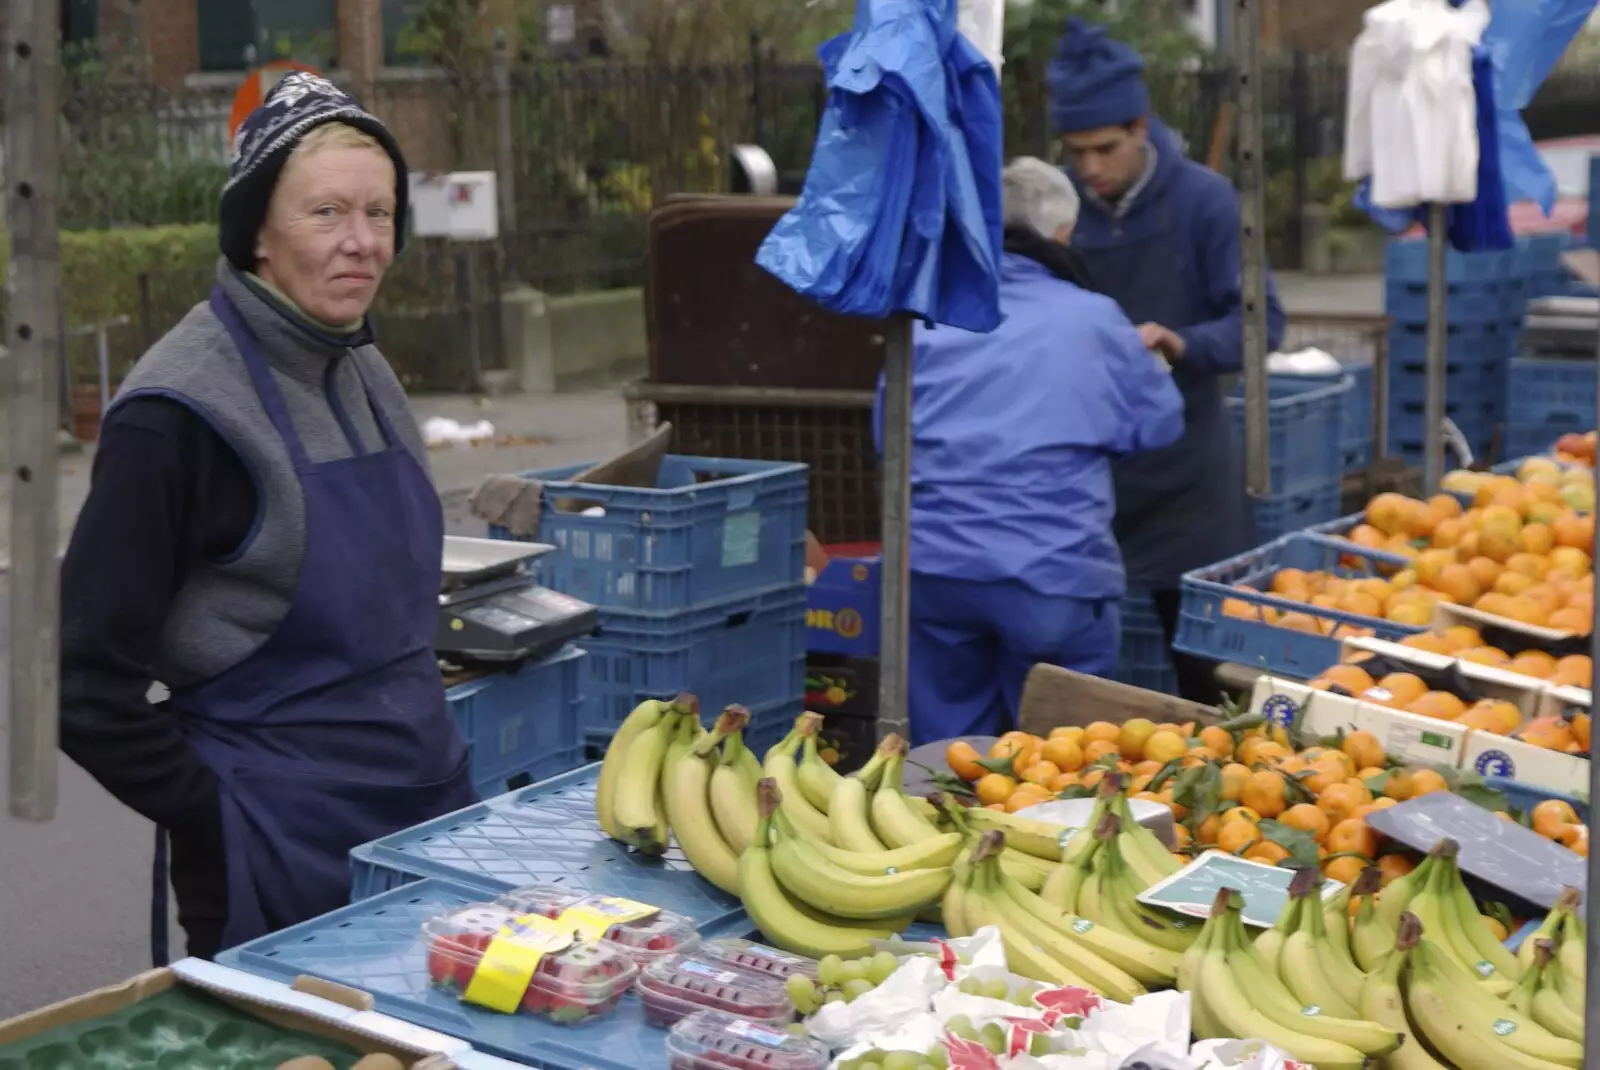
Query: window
x,y
404,42
238,34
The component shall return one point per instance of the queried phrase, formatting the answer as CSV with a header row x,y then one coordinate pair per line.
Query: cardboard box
x,y
1404,736
842,608
311,1006
1525,692
1492,755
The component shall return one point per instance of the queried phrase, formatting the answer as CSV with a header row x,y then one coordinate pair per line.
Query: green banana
x,y
954,904
1202,1020
1549,929
645,715
1037,839
1120,888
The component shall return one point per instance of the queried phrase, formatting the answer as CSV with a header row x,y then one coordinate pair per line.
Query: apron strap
x,y
160,939
261,375
391,440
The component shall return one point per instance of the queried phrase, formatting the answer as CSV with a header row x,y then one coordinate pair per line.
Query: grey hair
x,y
1037,195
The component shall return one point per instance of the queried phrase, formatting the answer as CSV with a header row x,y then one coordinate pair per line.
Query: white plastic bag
x,y
904,996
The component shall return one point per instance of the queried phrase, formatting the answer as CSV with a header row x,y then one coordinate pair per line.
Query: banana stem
x,y
1410,933
732,720
768,798
808,724
732,748
990,843
871,774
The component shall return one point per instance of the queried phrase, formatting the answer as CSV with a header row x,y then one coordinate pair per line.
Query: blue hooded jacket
x,y
1169,252
1013,434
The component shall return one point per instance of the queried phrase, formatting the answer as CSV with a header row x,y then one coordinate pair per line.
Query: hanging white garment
x,y
1411,121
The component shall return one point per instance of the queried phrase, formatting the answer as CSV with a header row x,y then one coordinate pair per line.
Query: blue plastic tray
x,y
1303,430
1205,631
1355,416
377,946
710,529
1282,514
525,723
544,834
749,650
1143,659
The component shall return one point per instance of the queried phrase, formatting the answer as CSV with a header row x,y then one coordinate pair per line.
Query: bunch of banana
x,y
794,892
1458,1020
1545,993
1234,992
691,806
1448,915
1371,937
1102,886
1028,870
1314,965
628,797
782,764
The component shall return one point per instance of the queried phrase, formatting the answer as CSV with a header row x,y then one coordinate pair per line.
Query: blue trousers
x,y
972,645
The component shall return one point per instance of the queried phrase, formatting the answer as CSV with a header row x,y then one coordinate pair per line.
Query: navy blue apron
x,y
336,730
1184,506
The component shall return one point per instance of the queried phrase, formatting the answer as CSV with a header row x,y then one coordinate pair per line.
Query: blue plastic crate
x,y
1474,343
1143,657
746,650
1524,440
770,723
1406,260
710,529
1593,224
1465,302
377,946
1472,385
1355,415
1281,514
1206,631
544,834
1523,796
522,723
1303,430
1540,254
1555,394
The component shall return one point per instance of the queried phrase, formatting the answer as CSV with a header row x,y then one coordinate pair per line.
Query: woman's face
x,y
329,232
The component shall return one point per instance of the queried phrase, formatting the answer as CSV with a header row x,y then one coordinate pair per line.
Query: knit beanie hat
x,y
1094,80
295,106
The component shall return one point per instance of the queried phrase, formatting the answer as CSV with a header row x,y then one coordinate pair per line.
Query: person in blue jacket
x,y
1012,556
1159,234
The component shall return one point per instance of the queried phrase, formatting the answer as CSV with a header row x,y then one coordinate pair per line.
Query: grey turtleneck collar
x,y
293,343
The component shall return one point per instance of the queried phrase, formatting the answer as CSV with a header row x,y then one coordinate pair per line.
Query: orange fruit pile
x,y
1555,819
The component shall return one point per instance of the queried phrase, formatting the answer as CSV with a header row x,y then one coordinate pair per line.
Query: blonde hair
x,y
334,135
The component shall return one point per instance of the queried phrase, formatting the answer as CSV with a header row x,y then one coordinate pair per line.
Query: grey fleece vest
x,y
228,608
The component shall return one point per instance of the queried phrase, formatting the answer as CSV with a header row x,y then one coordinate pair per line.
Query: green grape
x,y
800,989
970,986
996,990
854,970
1022,997
1038,1044
938,1058
925,1066
994,1038
796,1029
881,967
830,971
960,1025
856,988
901,1060
834,997
870,1066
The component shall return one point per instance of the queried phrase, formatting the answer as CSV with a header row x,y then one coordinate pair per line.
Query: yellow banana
x,y
1023,956
1103,975
848,821
1477,937
1371,939
1146,963
893,819
1466,1037
779,920
1395,899
1236,1012
1382,1002
1119,889
1300,968
1203,1020
1142,848
954,904
637,816
1338,975
689,815
817,778
1037,839
812,879
733,800
929,854
1469,998
645,715
1549,929
780,766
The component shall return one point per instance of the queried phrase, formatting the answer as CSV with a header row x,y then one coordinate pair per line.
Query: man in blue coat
x,y
1159,234
1012,557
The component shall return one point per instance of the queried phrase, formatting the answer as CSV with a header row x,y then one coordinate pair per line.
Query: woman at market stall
x,y
1012,557
262,536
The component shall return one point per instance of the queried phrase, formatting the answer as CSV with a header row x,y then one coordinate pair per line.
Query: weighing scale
x,y
1557,327
492,610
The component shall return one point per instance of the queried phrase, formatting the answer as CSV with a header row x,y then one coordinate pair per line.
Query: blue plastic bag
x,y
901,207
1525,39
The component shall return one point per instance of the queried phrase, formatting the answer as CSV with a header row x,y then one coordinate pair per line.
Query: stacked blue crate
x,y
1305,418
1486,295
699,581
1539,263
1143,656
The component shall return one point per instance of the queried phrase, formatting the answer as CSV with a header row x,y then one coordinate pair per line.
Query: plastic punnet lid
x,y
678,985
537,968
716,1040
644,931
748,956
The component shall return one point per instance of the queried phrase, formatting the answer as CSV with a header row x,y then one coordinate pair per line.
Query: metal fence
x,y
588,148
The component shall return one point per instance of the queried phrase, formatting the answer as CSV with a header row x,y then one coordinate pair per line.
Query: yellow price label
x,y
593,918
511,959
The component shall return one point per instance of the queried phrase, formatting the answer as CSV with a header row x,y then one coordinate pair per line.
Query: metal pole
x,y
1252,245
1438,333
894,714
505,158
1591,998
33,173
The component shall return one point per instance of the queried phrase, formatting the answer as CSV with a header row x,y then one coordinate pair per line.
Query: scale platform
x,y
1558,327
492,610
